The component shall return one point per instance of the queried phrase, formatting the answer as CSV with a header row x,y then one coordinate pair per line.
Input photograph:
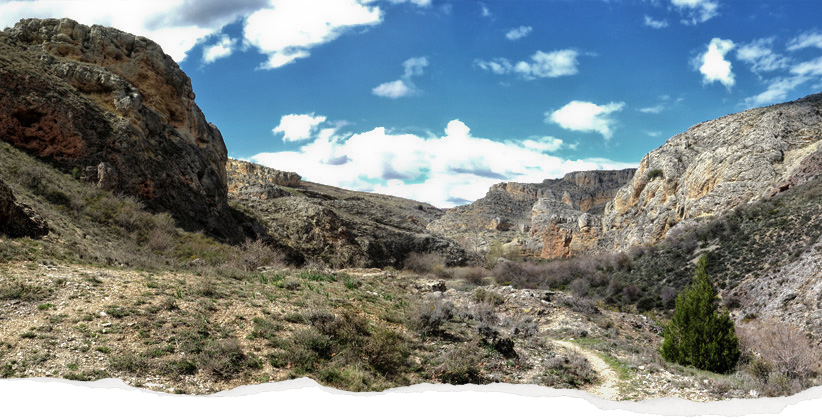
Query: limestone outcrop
x,y
119,110
715,166
554,218
17,220
334,226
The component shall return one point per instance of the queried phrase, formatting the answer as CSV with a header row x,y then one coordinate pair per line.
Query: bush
x,y
431,315
781,347
570,371
654,173
475,275
256,254
698,335
223,358
482,295
423,263
461,365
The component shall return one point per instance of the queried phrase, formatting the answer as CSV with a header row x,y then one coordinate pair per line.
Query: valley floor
x,y
205,330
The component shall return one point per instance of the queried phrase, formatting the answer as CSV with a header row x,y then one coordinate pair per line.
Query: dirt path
x,y
609,387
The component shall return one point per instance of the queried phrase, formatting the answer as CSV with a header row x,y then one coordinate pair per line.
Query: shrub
x,y
461,365
698,335
475,275
223,358
569,371
783,348
482,295
654,173
387,352
256,254
422,263
429,316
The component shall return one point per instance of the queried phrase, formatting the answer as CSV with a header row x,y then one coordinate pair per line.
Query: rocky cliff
x,y
335,226
554,218
17,219
113,108
715,166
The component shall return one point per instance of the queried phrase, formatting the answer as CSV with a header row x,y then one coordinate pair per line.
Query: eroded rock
x,y
98,97
18,220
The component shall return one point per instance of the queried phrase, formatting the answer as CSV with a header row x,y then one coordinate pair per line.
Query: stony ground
x,y
86,323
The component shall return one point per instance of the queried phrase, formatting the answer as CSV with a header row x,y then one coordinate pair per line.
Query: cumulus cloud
x,y
149,19
586,117
713,65
395,89
414,66
485,11
453,168
542,65
297,127
808,39
518,33
656,24
759,54
223,48
288,29
696,11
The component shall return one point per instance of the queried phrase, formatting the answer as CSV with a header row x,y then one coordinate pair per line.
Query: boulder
x,y
18,220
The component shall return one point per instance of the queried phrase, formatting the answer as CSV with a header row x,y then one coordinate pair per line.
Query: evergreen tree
x,y
698,335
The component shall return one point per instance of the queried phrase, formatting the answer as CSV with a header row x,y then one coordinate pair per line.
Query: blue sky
x,y
437,100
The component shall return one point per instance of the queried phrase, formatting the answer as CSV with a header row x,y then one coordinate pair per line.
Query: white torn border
x,y
305,398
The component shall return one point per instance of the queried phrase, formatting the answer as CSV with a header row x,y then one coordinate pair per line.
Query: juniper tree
x,y
698,335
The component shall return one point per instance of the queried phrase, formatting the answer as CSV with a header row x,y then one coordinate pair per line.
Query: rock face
x,y
555,218
336,226
715,166
792,294
114,106
250,180
17,220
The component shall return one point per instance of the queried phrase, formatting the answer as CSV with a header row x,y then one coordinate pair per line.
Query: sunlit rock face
x,y
118,109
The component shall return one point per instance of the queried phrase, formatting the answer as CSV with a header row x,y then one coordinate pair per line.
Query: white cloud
x,y
414,66
544,144
288,29
586,117
496,66
696,11
808,39
395,89
761,57
485,11
713,65
808,68
421,3
656,109
192,22
223,48
444,170
656,24
653,133
297,127
518,33
542,65
777,91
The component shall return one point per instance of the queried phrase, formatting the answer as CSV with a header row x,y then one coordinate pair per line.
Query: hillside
x,y
334,226
132,247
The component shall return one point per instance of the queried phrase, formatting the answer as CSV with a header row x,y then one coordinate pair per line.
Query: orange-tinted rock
x,y
116,107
